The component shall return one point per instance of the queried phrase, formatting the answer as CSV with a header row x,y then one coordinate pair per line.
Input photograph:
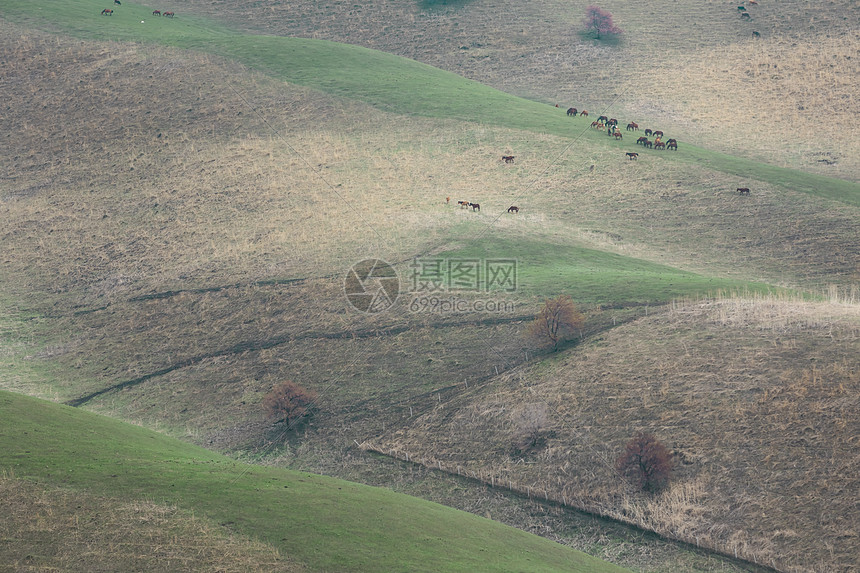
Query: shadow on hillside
x,y
431,4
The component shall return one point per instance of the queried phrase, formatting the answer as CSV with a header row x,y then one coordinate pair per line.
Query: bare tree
x,y
288,402
645,462
531,421
558,317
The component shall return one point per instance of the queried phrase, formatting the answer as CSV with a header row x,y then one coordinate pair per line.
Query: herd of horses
x,y
109,12
477,206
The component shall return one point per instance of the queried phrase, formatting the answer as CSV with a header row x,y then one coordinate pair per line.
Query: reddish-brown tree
x,y
288,402
645,462
599,22
558,317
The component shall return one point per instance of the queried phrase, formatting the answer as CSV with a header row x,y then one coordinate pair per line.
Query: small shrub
x,y
288,402
530,427
599,22
645,462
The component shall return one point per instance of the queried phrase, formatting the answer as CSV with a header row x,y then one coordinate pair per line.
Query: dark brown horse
x,y
658,134
618,135
156,12
632,155
583,113
513,209
659,145
648,131
167,14
475,206
508,158
571,112
641,140
107,12
743,190
632,126
672,144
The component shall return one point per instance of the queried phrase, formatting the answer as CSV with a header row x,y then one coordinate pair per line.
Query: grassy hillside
x,y
327,524
175,246
757,399
693,68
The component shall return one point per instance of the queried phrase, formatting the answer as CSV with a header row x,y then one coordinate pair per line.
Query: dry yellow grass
x,y
49,529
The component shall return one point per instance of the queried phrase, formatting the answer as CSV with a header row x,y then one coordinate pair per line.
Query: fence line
x,y
572,501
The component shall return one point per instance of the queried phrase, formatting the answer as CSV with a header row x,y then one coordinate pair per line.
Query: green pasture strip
x,y
389,82
592,276
328,524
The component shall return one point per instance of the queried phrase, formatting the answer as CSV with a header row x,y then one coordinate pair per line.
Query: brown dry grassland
x,y
757,398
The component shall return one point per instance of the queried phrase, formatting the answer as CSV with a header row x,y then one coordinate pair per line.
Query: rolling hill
x,y
176,245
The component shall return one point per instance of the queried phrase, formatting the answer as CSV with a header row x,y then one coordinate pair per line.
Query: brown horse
x,y
167,14
596,125
632,126
571,112
475,206
648,143
659,145
632,155
672,144
463,204
658,134
618,135
107,12
508,158
648,131
641,140
743,190
156,12
583,113
513,209
602,119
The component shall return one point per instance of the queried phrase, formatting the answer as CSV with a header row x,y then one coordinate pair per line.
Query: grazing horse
x,y
756,34
613,122
632,155
641,140
746,15
659,145
672,144
743,190
632,126
571,112
602,119
508,158
167,14
117,2
513,209
107,12
741,9
156,12
583,113
658,134
618,135
475,206
596,125
648,131
648,143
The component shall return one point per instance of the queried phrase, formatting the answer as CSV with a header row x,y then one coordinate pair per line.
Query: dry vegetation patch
x,y
49,529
